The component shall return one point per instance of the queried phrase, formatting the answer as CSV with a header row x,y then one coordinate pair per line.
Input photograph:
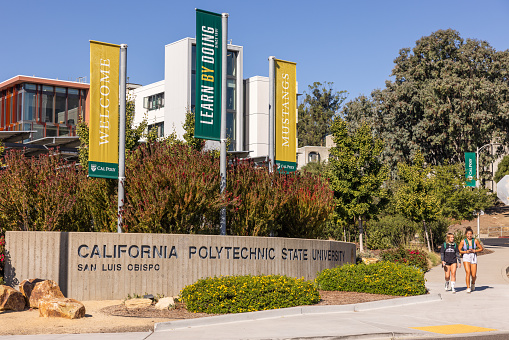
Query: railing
x,y
498,231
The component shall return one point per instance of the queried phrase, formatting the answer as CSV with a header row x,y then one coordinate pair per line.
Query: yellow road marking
x,y
454,329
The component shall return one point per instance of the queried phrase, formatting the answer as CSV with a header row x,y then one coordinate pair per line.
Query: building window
x,y
73,103
60,104
47,104
313,157
159,128
30,104
154,102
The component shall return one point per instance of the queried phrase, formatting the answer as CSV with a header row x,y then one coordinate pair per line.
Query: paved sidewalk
x,y
485,308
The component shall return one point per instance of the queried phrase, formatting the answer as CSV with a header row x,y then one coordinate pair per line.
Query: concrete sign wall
x,y
94,266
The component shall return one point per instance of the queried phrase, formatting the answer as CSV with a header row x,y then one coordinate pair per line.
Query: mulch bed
x,y
180,311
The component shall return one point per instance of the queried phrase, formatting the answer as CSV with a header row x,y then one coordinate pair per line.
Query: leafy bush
x,y
389,232
238,294
300,204
502,170
408,257
170,188
377,278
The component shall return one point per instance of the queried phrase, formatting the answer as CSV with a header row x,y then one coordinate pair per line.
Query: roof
x,y
44,81
14,136
68,146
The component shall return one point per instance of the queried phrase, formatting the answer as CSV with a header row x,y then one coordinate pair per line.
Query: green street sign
x,y
470,168
208,75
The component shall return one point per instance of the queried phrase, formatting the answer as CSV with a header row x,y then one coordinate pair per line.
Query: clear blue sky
x,y
351,43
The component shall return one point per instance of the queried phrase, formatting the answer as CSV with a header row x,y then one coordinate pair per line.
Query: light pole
x,y
477,161
477,180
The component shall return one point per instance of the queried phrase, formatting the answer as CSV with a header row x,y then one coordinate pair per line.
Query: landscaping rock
x,y
138,303
45,290
11,299
61,308
26,288
370,260
165,303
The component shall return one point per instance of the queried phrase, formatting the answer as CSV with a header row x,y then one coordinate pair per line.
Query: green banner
x,y
101,169
286,166
207,123
470,168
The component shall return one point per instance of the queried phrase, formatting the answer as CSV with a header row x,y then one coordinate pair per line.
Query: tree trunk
x,y
360,235
426,234
432,244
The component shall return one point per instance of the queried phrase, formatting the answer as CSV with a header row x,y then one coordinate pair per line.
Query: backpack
x,y
453,245
467,245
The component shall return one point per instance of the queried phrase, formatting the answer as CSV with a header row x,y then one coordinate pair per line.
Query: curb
x,y
294,311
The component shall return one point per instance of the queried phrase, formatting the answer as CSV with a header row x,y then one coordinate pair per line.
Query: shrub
x,y
238,294
300,204
386,278
408,257
389,232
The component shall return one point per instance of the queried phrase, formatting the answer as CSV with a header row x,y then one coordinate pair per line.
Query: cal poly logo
x,y
93,167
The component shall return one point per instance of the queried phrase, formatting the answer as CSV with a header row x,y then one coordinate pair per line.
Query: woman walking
x,y
451,260
469,247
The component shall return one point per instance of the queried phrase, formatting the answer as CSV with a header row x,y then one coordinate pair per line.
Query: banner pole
x,y
271,113
222,160
121,132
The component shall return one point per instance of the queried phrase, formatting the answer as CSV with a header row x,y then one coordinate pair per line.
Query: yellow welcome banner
x,y
104,103
286,115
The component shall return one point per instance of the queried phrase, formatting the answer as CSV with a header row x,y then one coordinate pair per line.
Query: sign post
x,y
210,111
104,90
470,168
121,142
106,156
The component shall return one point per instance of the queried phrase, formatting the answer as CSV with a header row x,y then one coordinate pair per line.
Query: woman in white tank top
x,y
469,247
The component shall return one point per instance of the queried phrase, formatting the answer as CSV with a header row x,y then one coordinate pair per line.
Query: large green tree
x,y
356,172
429,193
320,106
448,96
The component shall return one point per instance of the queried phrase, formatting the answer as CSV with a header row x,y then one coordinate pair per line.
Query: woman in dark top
x,y
451,260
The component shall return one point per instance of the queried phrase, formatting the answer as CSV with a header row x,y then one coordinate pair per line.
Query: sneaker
x,y
446,286
468,290
472,286
453,290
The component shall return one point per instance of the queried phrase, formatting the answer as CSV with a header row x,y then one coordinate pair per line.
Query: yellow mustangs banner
x,y
286,115
104,104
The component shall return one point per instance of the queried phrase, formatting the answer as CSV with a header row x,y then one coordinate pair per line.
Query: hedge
x,y
238,294
378,278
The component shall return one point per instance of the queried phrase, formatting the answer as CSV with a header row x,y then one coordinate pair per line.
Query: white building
x,y
166,102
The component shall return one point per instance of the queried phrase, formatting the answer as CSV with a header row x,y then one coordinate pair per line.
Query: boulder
x,y
165,303
138,303
11,299
45,290
61,307
26,288
369,260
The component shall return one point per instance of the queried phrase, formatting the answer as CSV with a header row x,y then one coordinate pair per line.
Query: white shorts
x,y
470,257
